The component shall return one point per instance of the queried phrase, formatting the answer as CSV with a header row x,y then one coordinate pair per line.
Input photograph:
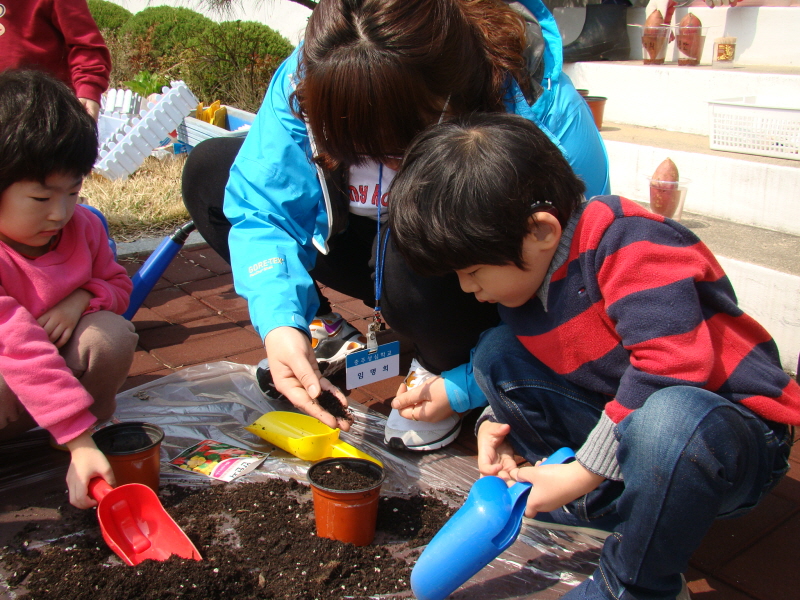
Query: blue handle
x,y
488,522
155,265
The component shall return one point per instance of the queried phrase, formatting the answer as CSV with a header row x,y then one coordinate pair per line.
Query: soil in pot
x,y
257,540
346,476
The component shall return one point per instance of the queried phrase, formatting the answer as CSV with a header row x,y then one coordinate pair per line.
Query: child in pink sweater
x,y
64,348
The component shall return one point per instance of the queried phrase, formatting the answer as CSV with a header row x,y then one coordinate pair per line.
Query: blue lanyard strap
x,y
380,258
380,250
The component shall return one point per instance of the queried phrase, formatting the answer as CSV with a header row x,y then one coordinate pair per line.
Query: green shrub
x,y
160,34
235,63
109,17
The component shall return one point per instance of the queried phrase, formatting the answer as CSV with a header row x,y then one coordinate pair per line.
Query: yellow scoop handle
x,y
303,436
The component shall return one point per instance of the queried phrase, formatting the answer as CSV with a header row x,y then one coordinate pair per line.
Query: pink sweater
x,y
29,362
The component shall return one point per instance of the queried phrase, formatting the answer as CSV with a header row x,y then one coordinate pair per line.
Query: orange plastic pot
x,y
597,104
133,449
346,515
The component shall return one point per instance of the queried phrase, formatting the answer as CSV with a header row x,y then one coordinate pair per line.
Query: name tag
x,y
365,367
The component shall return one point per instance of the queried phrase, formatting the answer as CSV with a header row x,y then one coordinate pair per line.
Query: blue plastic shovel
x,y
488,522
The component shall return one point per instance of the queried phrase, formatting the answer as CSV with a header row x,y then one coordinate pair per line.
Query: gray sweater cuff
x,y
599,453
486,415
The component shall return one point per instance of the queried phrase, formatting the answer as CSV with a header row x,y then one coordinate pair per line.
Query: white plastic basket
x,y
756,125
193,131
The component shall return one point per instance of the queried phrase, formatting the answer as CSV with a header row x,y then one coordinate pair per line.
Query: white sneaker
x,y
684,593
407,434
332,339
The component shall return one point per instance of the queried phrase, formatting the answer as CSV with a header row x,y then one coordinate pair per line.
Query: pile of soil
x,y
258,541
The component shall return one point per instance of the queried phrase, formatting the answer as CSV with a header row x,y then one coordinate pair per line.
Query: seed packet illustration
x,y
217,460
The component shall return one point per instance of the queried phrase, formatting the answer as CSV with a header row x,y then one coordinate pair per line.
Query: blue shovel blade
x,y
486,524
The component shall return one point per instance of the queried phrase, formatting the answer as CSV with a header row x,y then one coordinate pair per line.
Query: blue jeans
x,y
687,457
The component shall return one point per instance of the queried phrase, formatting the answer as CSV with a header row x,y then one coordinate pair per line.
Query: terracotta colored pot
x,y
583,92
346,515
598,105
133,449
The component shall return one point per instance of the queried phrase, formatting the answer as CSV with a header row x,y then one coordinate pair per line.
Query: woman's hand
x,y
59,322
556,485
87,463
495,454
296,374
425,402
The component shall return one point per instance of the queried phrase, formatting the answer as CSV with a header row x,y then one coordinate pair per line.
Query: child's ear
x,y
545,228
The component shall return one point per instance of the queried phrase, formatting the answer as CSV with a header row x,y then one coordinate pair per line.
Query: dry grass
x,y
147,204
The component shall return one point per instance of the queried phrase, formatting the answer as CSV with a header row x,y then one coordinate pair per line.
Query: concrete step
x,y
741,188
676,98
766,35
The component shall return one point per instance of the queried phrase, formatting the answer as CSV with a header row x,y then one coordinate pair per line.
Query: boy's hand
x,y
87,462
426,402
296,374
495,454
59,322
556,485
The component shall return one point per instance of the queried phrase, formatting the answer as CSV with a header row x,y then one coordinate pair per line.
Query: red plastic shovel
x,y
135,524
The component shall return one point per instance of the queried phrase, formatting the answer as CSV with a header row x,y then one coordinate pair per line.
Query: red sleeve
x,y
87,55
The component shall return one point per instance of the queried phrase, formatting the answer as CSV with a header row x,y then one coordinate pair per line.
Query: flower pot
x,y
346,515
597,104
133,449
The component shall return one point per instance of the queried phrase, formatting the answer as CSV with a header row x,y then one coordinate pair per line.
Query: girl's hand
x,y
87,463
556,485
296,374
425,402
59,322
91,106
495,454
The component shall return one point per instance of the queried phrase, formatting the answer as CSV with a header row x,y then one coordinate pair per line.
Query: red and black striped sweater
x,y
641,304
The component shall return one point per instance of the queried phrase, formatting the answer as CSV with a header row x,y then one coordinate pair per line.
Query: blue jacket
x,y
279,207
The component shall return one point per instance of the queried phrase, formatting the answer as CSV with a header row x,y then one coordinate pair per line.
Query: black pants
x,y
442,321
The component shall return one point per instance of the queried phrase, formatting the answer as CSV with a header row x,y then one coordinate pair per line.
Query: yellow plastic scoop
x,y
304,436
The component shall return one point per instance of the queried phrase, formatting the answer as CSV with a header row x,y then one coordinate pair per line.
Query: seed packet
x,y
217,460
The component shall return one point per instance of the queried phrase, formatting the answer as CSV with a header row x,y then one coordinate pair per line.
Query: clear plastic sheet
x,y
215,401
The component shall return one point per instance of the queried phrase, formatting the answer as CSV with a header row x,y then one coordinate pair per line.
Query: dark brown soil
x,y
332,405
345,475
258,541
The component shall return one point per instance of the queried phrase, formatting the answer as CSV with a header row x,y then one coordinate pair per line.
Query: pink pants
x,y
99,353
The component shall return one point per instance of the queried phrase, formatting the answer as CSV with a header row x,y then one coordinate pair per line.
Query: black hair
x,y
468,187
377,72
44,129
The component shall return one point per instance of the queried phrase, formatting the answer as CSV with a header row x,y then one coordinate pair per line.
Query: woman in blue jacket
x,y
309,185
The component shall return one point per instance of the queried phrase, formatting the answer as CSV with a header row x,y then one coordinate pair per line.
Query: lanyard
x,y
380,258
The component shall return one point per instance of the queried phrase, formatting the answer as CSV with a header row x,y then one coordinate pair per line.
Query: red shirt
x,y
57,36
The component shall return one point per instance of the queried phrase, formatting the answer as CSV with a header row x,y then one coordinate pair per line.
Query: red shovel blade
x,y
136,526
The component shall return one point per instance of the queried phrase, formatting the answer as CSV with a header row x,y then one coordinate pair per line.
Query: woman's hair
x,y
44,129
468,187
374,73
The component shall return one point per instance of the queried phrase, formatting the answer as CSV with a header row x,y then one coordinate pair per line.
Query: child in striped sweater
x,y
621,338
